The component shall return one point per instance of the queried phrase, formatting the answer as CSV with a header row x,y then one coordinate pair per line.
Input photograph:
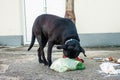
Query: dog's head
x,y
72,48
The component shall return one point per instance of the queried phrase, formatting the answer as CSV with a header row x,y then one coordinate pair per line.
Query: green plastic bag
x,y
66,64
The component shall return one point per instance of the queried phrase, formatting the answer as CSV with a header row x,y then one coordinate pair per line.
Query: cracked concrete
x,y
16,63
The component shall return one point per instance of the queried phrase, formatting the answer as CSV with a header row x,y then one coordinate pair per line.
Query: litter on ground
x,y
110,68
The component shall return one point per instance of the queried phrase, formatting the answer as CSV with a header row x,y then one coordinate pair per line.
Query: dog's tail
x,y
32,41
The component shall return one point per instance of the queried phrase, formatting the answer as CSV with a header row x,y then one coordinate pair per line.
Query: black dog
x,y
55,30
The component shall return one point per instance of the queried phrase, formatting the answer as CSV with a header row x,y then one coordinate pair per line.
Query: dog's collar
x,y
69,40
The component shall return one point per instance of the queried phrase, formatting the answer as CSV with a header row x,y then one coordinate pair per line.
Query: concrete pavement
x,y
16,63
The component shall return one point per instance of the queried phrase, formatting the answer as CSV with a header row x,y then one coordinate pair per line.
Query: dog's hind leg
x,y
41,54
44,42
49,51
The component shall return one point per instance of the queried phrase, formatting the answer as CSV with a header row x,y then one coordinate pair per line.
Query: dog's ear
x,y
83,51
61,47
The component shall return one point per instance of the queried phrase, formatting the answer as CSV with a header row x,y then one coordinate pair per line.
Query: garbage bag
x,y
66,64
110,68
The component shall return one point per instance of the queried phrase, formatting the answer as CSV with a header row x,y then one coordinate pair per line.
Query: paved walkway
x,y
19,64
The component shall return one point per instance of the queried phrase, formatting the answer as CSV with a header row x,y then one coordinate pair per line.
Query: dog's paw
x,y
40,61
49,64
46,63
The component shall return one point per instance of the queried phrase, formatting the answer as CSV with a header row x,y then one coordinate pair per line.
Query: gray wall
x,y
11,40
100,39
86,40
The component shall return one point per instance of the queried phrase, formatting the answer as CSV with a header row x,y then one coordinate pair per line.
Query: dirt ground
x,y
16,63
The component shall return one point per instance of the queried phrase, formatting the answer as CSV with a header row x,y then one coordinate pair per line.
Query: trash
x,y
98,59
77,58
118,61
109,59
66,64
110,68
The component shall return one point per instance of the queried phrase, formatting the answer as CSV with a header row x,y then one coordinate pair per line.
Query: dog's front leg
x,y
49,51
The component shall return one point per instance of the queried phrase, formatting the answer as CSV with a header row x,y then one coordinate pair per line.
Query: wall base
x,y
11,40
86,40
100,39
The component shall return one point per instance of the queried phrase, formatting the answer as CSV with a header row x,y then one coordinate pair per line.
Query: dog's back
x,y
57,28
54,28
